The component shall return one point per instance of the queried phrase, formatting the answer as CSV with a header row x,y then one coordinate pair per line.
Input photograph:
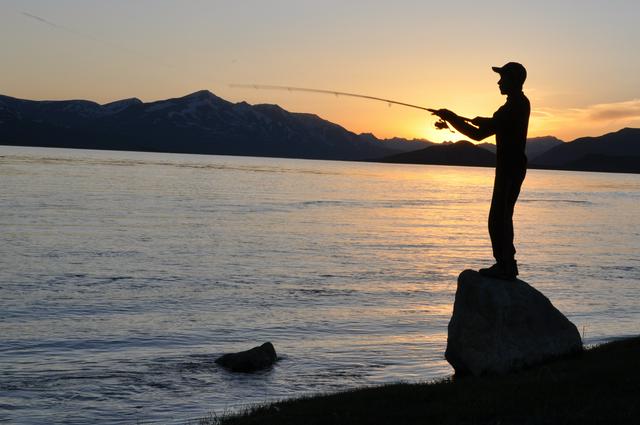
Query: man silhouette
x,y
509,124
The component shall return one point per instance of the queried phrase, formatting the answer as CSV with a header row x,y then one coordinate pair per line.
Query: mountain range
x,y
612,152
200,123
459,153
204,123
618,151
535,147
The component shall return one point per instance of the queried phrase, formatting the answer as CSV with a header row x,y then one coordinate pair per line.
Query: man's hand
x,y
444,114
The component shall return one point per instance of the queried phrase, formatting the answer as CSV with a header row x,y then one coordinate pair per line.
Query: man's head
x,y
512,76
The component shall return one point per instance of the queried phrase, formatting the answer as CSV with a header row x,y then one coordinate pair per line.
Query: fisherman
x,y
509,124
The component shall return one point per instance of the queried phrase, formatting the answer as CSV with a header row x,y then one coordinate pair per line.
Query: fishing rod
x,y
441,124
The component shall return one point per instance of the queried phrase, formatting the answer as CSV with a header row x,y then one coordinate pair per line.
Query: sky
x,y
581,56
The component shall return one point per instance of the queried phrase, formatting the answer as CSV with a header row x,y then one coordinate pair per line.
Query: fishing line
x,y
81,34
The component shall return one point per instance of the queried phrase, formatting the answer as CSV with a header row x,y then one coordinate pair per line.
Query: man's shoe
x,y
492,271
501,271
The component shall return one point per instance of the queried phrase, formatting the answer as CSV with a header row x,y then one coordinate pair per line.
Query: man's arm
x,y
480,130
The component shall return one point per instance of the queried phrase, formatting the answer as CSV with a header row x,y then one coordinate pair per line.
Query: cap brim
x,y
497,69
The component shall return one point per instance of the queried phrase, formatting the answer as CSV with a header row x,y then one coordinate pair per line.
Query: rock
x,y
500,326
251,360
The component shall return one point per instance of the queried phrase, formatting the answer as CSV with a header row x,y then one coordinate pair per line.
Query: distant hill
x,y
399,144
535,147
203,123
199,123
491,147
593,153
613,152
459,153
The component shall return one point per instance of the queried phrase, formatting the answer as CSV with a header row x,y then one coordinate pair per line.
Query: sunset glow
x,y
581,81
291,211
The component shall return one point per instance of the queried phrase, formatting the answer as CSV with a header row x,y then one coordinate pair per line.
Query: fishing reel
x,y
442,125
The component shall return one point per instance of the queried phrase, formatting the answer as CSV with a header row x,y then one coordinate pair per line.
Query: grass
x,y
599,386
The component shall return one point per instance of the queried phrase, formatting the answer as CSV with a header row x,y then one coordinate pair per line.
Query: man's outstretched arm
x,y
480,130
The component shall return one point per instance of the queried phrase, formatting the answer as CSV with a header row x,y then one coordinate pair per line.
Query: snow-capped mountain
x,y
200,122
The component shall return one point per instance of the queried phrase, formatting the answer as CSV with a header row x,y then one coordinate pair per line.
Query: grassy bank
x,y
600,386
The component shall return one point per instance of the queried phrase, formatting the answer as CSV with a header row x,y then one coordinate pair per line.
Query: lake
x,y
124,275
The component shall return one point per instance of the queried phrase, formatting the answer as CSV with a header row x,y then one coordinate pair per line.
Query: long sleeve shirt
x,y
510,124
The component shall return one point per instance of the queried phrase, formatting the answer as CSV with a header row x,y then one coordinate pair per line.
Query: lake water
x,y
124,275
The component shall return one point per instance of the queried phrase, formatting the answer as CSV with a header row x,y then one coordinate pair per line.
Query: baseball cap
x,y
512,70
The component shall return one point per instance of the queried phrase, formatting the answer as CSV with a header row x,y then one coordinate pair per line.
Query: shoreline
x,y
600,385
373,161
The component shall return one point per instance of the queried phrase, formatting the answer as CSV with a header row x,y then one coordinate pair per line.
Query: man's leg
x,y
505,194
508,250
496,216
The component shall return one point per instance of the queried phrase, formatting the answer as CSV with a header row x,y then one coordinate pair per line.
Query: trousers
x,y
506,188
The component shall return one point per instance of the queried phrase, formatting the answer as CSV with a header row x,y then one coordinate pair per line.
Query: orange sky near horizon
x,y
581,82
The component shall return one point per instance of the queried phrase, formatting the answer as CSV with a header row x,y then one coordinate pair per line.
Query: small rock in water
x,y
253,360
500,326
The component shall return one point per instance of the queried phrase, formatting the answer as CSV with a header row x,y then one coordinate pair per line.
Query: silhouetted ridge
x,y
204,123
120,105
535,146
459,153
622,143
201,94
199,122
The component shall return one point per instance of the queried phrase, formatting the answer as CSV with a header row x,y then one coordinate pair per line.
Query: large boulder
x,y
500,326
253,360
